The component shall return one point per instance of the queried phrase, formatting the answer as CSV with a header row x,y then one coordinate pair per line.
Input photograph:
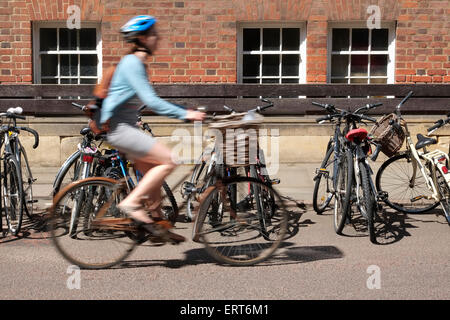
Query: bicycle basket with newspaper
x,y
389,134
237,138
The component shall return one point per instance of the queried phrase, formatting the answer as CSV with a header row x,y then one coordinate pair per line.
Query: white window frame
x,y
56,24
391,26
262,25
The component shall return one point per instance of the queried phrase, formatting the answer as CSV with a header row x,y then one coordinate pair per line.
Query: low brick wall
x,y
300,139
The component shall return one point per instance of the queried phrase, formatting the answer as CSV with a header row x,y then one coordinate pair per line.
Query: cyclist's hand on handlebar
x,y
193,115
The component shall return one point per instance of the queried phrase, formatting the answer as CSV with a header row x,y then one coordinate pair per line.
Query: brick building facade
x,y
201,40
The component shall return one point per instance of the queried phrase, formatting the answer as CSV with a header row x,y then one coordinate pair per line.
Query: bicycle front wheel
x,y
230,225
406,188
366,201
27,183
343,190
12,194
322,194
445,194
97,242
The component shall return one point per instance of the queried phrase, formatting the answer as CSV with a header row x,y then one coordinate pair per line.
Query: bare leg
x,y
156,165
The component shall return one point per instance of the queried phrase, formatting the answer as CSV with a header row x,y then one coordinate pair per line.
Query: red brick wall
x,y
199,36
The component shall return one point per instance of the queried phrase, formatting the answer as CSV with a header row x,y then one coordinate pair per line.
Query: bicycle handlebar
x,y
34,133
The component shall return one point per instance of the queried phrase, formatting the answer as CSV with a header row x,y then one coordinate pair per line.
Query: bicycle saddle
x,y
85,131
423,141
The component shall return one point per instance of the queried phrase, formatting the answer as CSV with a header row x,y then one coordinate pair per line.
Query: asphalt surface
x,y
411,262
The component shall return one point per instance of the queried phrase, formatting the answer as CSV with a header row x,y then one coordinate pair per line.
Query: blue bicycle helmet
x,y
136,26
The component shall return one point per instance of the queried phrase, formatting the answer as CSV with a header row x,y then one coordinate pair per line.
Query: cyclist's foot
x,y
136,212
159,232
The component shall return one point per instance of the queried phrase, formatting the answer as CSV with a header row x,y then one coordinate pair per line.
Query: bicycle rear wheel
x,y
406,193
12,194
230,225
98,242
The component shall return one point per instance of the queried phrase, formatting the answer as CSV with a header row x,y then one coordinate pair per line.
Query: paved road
x,y
412,262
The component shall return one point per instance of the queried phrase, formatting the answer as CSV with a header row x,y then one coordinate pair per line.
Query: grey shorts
x,y
130,140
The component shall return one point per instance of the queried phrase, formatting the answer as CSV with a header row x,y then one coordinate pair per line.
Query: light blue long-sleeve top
x,y
130,80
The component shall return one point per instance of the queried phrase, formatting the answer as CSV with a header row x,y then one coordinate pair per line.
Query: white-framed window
x,y
359,55
66,56
272,53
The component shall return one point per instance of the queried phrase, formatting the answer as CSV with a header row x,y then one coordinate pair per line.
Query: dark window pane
x,y
270,81
339,65
69,81
88,65
380,39
291,39
296,80
69,65
251,39
271,65
251,65
49,65
49,81
341,39
88,39
250,81
378,80
360,39
47,39
290,63
88,81
358,80
378,65
67,39
339,80
359,65
271,39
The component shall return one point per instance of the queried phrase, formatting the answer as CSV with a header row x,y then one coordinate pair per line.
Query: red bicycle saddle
x,y
359,134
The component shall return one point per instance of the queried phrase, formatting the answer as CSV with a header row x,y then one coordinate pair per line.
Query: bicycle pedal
x,y
275,181
382,196
417,198
32,201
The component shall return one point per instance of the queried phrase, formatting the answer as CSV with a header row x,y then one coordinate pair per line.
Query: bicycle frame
x,y
433,158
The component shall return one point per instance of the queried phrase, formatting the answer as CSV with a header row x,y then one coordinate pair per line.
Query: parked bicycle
x,y
211,164
17,179
228,222
416,180
345,173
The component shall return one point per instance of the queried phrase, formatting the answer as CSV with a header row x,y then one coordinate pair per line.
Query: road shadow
x,y
35,228
285,255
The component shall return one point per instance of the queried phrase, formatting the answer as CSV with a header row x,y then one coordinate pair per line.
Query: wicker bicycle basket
x,y
391,137
237,138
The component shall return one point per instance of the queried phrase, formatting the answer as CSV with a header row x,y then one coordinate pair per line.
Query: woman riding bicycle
x,y
119,119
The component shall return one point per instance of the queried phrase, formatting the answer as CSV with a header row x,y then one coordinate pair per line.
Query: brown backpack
x,y
93,108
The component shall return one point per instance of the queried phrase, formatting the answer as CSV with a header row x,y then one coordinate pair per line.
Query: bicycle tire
x,y
169,212
368,201
94,247
444,190
12,194
320,208
72,162
402,187
238,240
343,189
27,182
